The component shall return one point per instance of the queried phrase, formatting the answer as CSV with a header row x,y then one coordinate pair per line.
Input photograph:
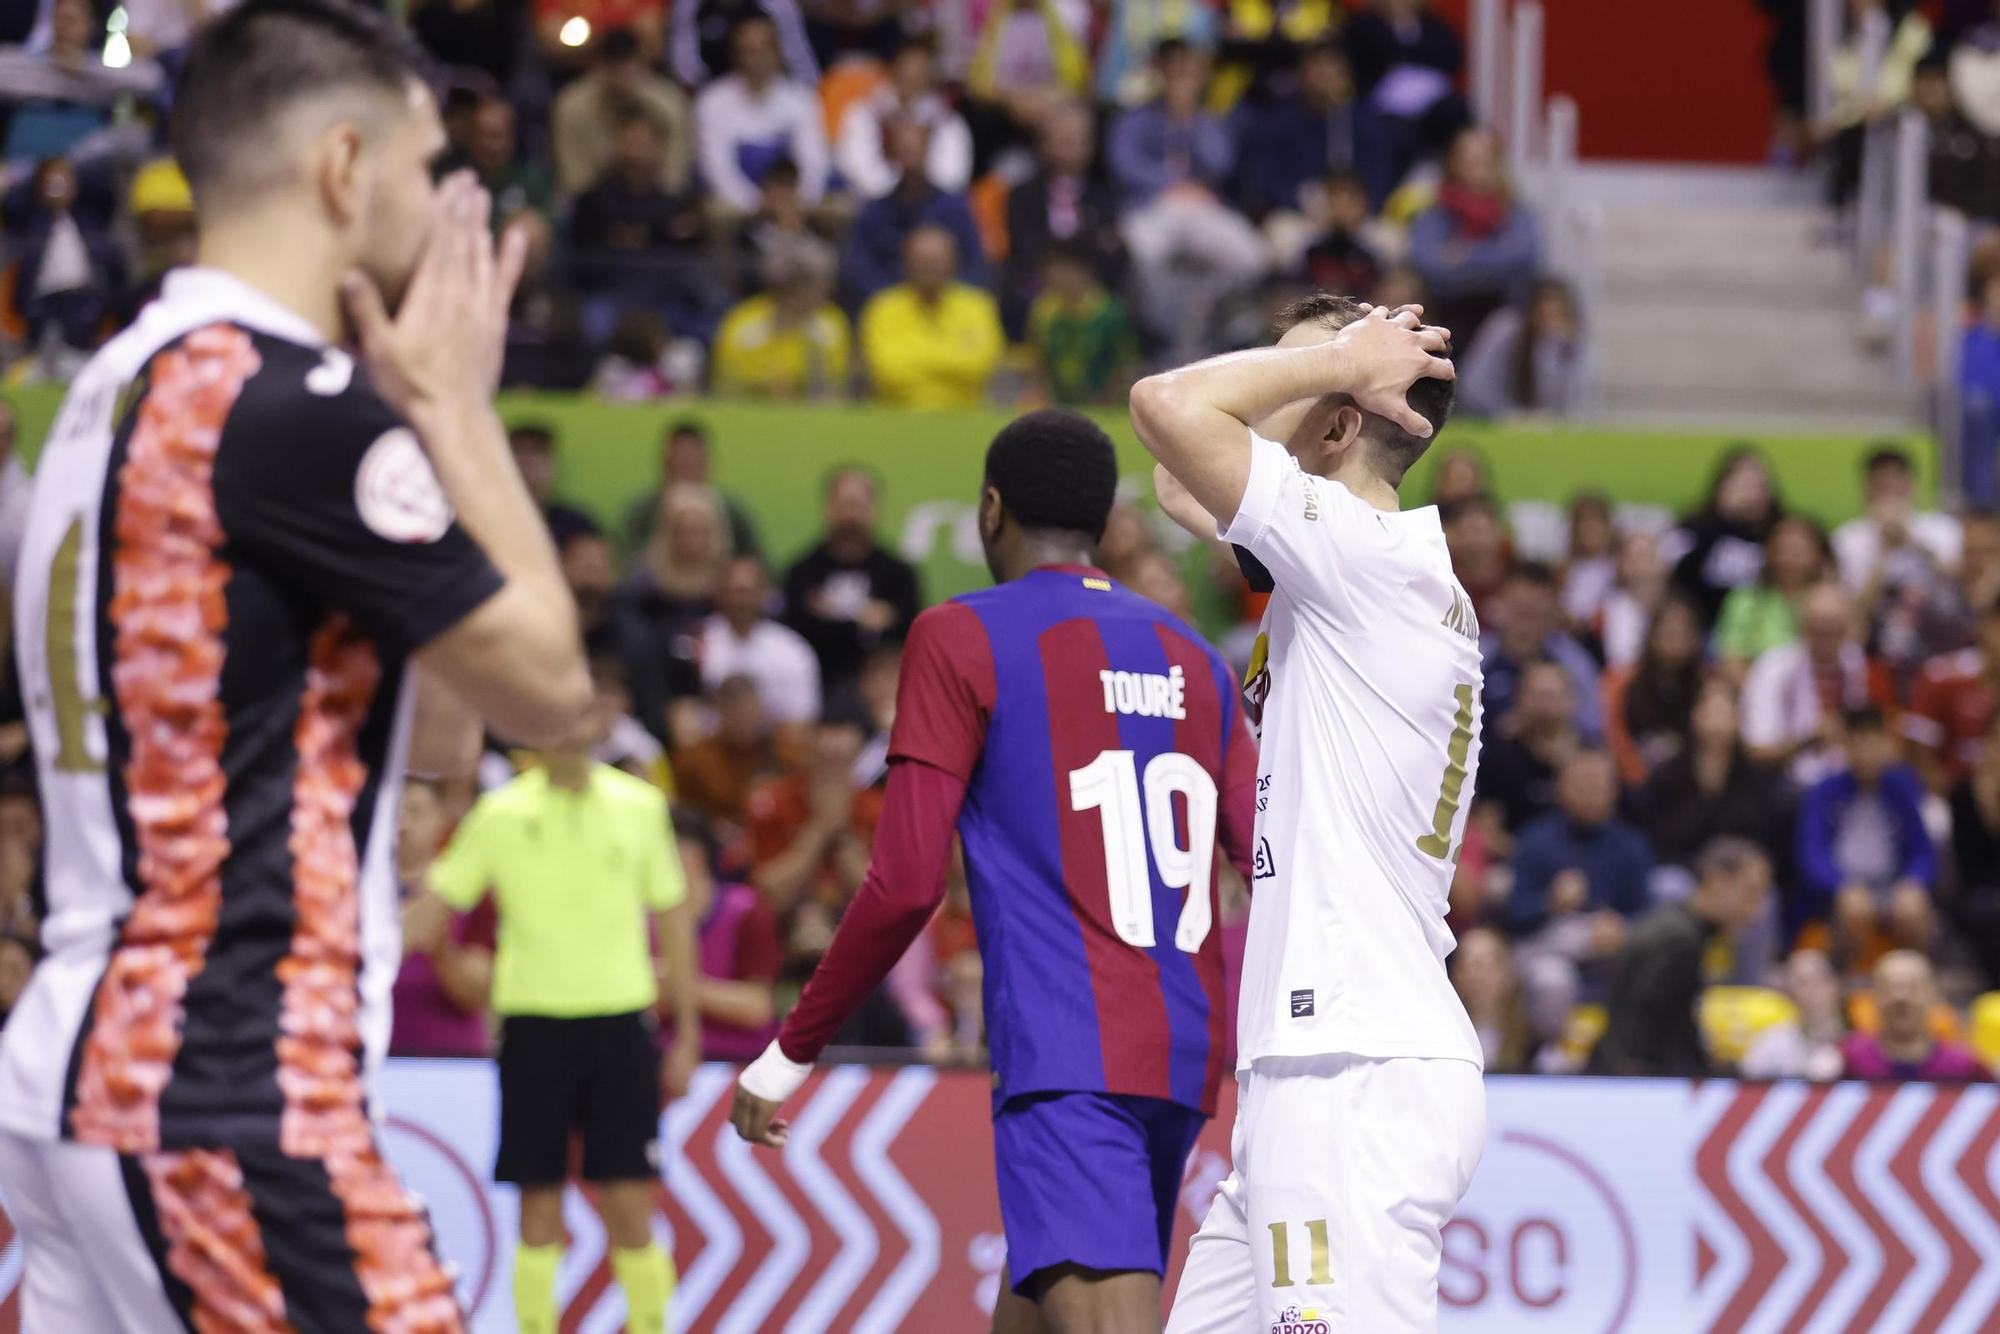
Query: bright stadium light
x,y
575,32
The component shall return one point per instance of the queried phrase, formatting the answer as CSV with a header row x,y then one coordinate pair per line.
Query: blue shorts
x,y
1090,1179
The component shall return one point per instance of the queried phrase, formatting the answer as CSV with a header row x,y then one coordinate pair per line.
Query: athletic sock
x,y
535,1287
647,1276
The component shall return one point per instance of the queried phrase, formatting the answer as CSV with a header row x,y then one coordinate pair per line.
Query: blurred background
x,y
1724,284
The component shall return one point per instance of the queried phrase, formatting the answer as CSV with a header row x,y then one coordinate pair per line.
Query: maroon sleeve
x,y
1238,806
946,693
905,884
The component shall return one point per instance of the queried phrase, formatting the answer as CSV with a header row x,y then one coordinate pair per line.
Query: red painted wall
x,y
1681,82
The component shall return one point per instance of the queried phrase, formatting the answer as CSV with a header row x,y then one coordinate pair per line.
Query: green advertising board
x,y
774,457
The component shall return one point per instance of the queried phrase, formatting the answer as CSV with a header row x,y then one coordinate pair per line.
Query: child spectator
x,y
1764,615
1085,347
1530,358
1866,862
1905,1048
931,341
790,342
1476,247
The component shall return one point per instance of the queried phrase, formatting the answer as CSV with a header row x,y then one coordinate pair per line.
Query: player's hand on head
x,y
1384,353
756,1120
445,342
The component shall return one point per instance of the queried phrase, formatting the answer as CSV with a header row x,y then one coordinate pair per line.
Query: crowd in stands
x,y
926,204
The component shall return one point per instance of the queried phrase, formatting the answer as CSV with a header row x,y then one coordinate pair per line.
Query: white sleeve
x,y
1321,544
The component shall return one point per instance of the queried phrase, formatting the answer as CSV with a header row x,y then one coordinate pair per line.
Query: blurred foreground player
x,y
1090,749
1361,1114
243,543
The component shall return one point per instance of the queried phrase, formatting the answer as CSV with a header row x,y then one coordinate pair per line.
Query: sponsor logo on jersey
x,y
1302,1004
333,374
1097,585
1266,866
1146,694
1294,1320
397,492
1312,500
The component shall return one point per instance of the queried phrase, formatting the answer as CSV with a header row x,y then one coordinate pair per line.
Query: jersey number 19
x,y
1111,785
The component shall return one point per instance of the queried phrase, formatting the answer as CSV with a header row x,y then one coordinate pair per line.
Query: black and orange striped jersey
x,y
235,547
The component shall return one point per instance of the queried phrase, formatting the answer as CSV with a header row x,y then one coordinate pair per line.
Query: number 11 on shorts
x,y
1321,1272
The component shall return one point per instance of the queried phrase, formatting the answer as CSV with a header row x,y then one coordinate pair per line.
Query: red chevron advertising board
x,y
1600,1206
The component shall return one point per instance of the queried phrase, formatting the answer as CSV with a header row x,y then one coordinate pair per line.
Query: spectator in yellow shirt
x,y
790,341
931,341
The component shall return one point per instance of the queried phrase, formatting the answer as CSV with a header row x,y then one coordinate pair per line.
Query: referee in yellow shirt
x,y
578,855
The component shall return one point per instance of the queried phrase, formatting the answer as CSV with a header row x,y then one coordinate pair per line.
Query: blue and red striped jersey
x,y
1104,750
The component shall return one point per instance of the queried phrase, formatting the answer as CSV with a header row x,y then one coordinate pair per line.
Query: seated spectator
x,y
789,342
1580,879
440,998
931,341
1892,542
914,95
664,601
1296,140
1028,56
849,593
62,95
1925,619
70,275
517,183
882,229
1905,992
1530,358
1648,707
1807,1047
564,28
1590,565
809,831
623,741
641,363
750,119
1341,257
1134,33
1476,247
1979,396
704,30
591,111
714,776
1482,972
534,446
778,230
1060,202
1953,706
738,947
1712,789
742,639
1405,61
636,247
591,572
1721,545
1975,855
1527,624
1866,862
686,457
1085,348
1651,1025
1635,598
1758,617
1520,757
1192,251
1481,555
1795,695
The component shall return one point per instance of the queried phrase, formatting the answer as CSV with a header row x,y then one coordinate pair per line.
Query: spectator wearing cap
x,y
753,117
1476,247
743,639
1062,201
70,275
1905,1047
1530,358
63,94
1169,158
1528,624
1652,1004
687,457
850,594
1292,142
882,229
1084,343
789,341
912,93
1867,865
534,447
704,31
1795,695
590,112
1953,706
636,247
931,341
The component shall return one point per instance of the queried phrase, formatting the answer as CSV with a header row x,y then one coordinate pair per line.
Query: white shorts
x,y
1347,1170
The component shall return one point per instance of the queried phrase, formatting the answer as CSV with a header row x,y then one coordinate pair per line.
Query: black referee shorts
x,y
598,1076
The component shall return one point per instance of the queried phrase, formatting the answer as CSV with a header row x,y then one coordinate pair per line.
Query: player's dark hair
x,y
1392,449
245,69
1055,471
1886,458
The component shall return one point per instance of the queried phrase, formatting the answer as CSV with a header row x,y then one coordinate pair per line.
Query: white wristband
x,y
773,1076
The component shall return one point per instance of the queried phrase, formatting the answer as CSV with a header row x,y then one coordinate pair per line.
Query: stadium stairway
x,y
1719,300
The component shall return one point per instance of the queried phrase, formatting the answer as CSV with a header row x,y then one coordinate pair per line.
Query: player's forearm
x,y
1178,504
1241,386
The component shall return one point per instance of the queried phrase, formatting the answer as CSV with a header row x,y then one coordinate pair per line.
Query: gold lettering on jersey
x,y
1460,619
1145,694
61,649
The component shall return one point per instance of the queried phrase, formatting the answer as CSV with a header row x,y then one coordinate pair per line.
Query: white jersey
x,y
1367,673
